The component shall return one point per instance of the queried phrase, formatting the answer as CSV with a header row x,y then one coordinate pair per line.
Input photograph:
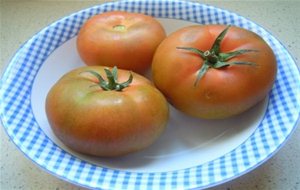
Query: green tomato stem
x,y
119,28
112,80
213,58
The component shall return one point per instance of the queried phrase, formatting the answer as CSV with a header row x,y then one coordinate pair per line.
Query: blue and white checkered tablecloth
x,y
18,119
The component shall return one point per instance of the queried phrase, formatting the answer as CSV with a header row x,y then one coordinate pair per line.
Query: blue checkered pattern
x,y
279,121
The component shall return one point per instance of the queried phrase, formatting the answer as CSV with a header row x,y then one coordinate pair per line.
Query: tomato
x,y
100,116
214,71
122,39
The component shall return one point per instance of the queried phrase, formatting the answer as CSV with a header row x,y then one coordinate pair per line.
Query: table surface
x,y
22,19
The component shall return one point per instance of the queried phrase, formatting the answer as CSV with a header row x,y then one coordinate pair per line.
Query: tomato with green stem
x,y
214,71
101,116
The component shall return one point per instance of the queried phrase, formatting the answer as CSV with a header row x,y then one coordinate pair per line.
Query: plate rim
x,y
11,61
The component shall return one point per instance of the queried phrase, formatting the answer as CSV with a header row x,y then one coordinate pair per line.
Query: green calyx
x,y
112,80
213,58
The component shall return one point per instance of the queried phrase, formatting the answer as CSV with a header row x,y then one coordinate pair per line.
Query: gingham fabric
x,y
280,119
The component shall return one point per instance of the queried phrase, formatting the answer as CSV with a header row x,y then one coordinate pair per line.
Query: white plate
x,y
192,153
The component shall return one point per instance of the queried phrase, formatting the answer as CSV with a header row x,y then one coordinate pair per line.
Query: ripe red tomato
x,y
122,39
211,72
100,116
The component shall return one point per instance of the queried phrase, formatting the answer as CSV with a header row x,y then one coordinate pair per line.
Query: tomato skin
x,y
93,121
100,42
221,92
